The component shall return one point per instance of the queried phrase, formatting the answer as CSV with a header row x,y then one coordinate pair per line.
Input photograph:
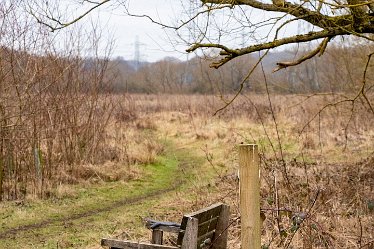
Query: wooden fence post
x,y
249,196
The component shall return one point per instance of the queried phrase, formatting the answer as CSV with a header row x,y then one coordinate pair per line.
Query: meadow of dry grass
x,y
317,175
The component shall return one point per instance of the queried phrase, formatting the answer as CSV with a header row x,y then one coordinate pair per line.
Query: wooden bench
x,y
205,228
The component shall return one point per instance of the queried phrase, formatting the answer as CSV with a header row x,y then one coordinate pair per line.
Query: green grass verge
x,y
96,211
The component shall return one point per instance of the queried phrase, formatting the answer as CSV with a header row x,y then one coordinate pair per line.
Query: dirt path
x,y
27,234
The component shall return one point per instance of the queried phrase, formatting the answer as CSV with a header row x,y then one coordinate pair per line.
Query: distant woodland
x,y
339,70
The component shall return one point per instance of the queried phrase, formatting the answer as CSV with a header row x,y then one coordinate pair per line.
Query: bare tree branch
x,y
61,25
230,54
296,10
319,50
356,22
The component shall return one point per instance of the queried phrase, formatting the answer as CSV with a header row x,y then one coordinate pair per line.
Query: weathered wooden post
x,y
249,196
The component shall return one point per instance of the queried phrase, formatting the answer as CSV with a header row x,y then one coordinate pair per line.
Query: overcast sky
x,y
154,41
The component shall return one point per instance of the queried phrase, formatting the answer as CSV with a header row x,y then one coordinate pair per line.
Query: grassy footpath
x,y
97,211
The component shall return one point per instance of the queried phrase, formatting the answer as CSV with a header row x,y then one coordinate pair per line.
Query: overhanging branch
x,y
61,25
297,10
319,50
229,54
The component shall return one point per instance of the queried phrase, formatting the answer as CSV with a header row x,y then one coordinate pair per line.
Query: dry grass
x,y
328,160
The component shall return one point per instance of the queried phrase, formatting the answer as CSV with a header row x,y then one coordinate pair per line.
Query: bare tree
x,y
53,112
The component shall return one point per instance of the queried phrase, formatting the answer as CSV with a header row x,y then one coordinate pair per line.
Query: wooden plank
x,y
196,228
207,226
132,245
207,237
206,213
190,236
220,236
157,236
168,229
203,215
249,196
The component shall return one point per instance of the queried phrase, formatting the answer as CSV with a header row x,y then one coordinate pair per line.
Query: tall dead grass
x,y
327,200
314,126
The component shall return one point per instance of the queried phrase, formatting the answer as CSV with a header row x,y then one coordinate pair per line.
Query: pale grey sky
x,y
154,41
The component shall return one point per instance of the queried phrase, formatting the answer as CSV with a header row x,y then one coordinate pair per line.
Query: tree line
x,y
339,70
